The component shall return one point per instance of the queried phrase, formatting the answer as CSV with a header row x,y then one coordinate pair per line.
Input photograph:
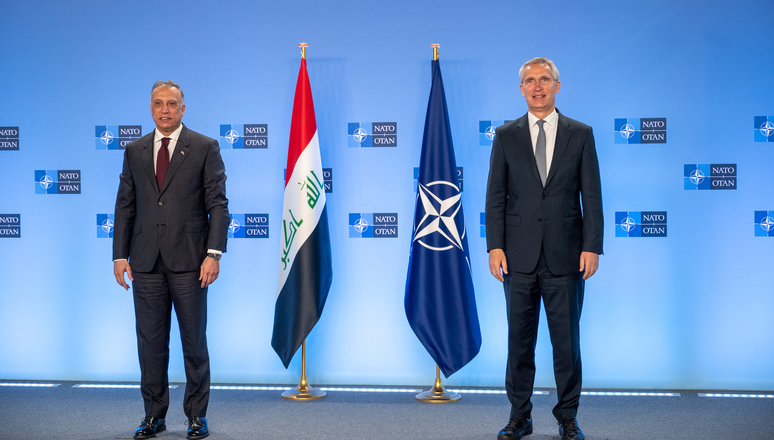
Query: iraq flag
x,y
305,271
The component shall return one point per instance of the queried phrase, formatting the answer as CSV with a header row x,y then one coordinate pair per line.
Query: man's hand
x,y
496,262
209,271
119,267
589,263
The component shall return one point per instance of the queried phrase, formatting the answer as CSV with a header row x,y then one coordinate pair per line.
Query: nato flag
x,y
440,302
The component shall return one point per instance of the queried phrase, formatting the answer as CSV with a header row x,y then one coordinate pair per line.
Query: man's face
x,y
539,88
167,108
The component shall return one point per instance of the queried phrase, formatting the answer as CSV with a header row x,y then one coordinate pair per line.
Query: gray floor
x,y
65,412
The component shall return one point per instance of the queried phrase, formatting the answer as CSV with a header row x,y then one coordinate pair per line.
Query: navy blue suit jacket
x,y
182,220
564,218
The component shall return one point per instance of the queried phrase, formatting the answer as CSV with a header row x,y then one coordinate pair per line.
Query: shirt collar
x,y
550,119
175,134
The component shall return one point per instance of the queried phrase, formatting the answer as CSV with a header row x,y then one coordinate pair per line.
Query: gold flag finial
x,y
435,51
303,47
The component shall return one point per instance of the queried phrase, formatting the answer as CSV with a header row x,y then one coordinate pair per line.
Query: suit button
x,y
161,203
540,219
544,197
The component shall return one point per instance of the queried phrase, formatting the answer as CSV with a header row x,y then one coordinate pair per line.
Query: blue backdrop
x,y
689,310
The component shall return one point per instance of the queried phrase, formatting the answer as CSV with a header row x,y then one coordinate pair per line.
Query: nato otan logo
x,y
483,224
764,128
416,178
105,224
709,176
247,136
116,137
249,226
373,225
764,223
641,224
640,131
372,134
9,138
57,181
486,132
10,225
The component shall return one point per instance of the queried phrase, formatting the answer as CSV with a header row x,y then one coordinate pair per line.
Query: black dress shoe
x,y
569,429
515,429
197,428
149,427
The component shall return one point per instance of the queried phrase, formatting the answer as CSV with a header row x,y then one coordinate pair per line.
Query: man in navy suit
x,y
171,224
544,230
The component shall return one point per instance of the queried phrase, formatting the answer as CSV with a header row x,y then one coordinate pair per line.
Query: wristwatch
x,y
214,256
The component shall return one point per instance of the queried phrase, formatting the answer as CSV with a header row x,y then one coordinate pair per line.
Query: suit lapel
x,y
563,134
178,156
147,159
524,143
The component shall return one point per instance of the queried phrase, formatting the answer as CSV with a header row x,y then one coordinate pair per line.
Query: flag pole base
x,y
438,394
304,392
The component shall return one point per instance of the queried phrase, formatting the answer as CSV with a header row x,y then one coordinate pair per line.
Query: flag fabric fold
x,y
305,269
440,300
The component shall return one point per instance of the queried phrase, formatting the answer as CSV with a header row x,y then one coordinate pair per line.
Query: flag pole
x,y
303,391
438,393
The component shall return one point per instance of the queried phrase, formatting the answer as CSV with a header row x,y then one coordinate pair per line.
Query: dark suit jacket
x,y
522,216
181,221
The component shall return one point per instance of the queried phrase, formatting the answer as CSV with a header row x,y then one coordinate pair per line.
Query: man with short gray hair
x,y
171,224
544,228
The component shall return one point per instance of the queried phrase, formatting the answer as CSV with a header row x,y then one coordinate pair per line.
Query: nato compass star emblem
x,y
232,136
440,224
628,224
697,177
360,135
490,133
107,226
46,181
767,224
234,225
106,137
767,129
361,225
627,131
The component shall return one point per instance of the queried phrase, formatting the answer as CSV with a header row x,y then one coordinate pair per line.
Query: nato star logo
x,y
440,224
46,181
767,224
361,225
234,226
360,135
231,136
627,131
628,224
107,137
767,129
107,226
697,176
490,133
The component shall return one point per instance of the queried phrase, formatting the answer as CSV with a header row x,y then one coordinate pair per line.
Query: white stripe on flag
x,y
297,199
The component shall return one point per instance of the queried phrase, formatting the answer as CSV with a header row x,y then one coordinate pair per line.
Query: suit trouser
x,y
562,296
155,293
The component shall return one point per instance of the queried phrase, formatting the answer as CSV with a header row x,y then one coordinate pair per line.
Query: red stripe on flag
x,y
303,125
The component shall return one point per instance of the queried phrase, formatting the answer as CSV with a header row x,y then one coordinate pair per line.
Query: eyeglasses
x,y
543,80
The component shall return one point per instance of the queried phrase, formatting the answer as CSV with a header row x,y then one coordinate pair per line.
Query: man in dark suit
x,y
544,231
171,224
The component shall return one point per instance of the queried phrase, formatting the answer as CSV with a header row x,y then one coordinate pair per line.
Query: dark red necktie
x,y
162,162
